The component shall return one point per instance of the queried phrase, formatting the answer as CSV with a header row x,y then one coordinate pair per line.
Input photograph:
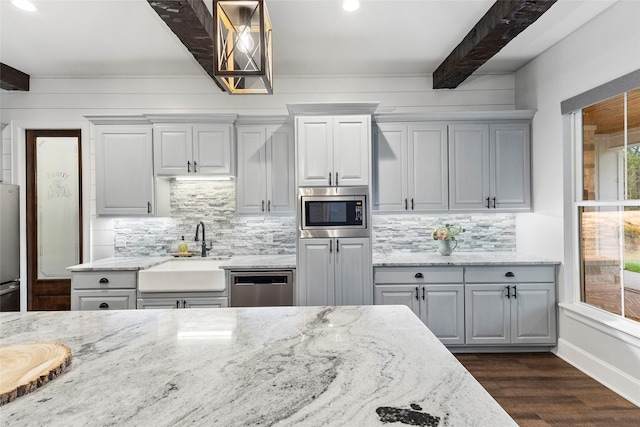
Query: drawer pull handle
x,y
419,276
103,306
104,280
510,274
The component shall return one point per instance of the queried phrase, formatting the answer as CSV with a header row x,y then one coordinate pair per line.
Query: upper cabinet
x,y
265,179
184,149
410,167
333,150
125,184
490,167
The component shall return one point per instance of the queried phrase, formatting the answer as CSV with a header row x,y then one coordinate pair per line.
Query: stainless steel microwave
x,y
333,212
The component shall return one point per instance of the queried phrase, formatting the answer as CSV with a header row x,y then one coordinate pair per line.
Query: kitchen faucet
x,y
204,242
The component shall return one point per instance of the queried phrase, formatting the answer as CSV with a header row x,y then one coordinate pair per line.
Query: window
x,y
608,204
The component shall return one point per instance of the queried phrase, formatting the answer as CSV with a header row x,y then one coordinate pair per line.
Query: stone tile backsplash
x,y
213,203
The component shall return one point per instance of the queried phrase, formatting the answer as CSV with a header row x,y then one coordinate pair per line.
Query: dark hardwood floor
x,y
540,389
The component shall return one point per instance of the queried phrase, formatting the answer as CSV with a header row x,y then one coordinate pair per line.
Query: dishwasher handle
x,y
261,280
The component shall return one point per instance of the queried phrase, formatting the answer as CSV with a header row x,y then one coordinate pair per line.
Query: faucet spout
x,y
204,241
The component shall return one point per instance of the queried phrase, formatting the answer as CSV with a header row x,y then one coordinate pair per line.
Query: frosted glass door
x,y
58,208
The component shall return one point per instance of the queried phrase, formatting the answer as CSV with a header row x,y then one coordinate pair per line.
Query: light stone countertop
x,y
119,263
260,262
285,366
399,259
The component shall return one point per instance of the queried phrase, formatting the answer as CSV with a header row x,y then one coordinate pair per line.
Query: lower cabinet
x,y
436,296
334,271
491,306
513,305
182,301
103,290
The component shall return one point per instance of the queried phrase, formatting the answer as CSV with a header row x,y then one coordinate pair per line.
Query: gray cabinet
x,y
103,290
410,167
333,150
489,167
184,149
513,305
265,179
435,294
334,271
125,184
181,301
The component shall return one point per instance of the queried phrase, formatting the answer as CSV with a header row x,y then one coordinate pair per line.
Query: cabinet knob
x,y
419,276
103,306
104,280
509,274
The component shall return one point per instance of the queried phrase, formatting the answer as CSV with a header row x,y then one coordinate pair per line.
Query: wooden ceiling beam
x,y
501,24
192,22
12,79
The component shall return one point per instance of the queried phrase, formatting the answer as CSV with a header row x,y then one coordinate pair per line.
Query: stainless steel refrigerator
x,y
9,247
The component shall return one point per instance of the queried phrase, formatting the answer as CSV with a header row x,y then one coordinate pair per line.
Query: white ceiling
x,y
89,38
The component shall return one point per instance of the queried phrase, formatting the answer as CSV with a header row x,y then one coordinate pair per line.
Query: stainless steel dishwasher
x,y
261,288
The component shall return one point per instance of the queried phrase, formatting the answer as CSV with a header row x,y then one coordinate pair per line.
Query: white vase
x,y
445,248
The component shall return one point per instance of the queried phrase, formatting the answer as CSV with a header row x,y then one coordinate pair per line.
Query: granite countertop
x,y
260,262
120,263
399,259
286,366
141,263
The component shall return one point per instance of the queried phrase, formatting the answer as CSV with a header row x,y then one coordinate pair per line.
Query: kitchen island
x,y
289,366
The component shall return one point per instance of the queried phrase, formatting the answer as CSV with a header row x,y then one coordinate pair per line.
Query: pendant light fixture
x,y
243,46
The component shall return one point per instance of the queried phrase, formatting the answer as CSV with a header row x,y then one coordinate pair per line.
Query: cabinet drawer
x,y
104,280
500,274
103,300
419,275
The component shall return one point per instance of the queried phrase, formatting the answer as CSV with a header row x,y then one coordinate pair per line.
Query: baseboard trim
x,y
606,374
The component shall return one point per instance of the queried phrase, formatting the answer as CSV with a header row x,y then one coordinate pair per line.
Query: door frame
x,y
19,176
60,285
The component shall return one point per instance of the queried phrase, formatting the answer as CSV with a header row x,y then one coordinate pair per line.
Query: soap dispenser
x,y
182,247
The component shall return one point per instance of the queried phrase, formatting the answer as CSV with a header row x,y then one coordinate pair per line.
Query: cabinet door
x,y
469,169
280,166
353,271
444,312
398,295
428,181
390,168
218,302
251,186
124,170
510,166
487,314
351,150
112,299
533,313
315,151
212,149
315,272
173,153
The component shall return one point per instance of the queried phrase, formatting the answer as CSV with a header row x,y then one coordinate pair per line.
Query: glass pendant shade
x,y
243,46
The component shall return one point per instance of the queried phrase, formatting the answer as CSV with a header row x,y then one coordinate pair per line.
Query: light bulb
x,y
244,42
350,5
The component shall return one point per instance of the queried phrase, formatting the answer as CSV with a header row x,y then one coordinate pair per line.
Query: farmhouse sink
x,y
194,275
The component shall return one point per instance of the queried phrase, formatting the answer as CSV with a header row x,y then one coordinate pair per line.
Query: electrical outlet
x,y
268,239
121,242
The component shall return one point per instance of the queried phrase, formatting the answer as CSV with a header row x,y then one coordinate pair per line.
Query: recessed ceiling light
x,y
350,5
24,5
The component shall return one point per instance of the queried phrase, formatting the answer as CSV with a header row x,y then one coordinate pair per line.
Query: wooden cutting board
x,y
25,367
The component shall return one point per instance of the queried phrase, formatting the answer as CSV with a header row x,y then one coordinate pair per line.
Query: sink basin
x,y
194,275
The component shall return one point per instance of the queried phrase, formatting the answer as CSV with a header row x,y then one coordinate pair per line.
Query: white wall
x,y
607,47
